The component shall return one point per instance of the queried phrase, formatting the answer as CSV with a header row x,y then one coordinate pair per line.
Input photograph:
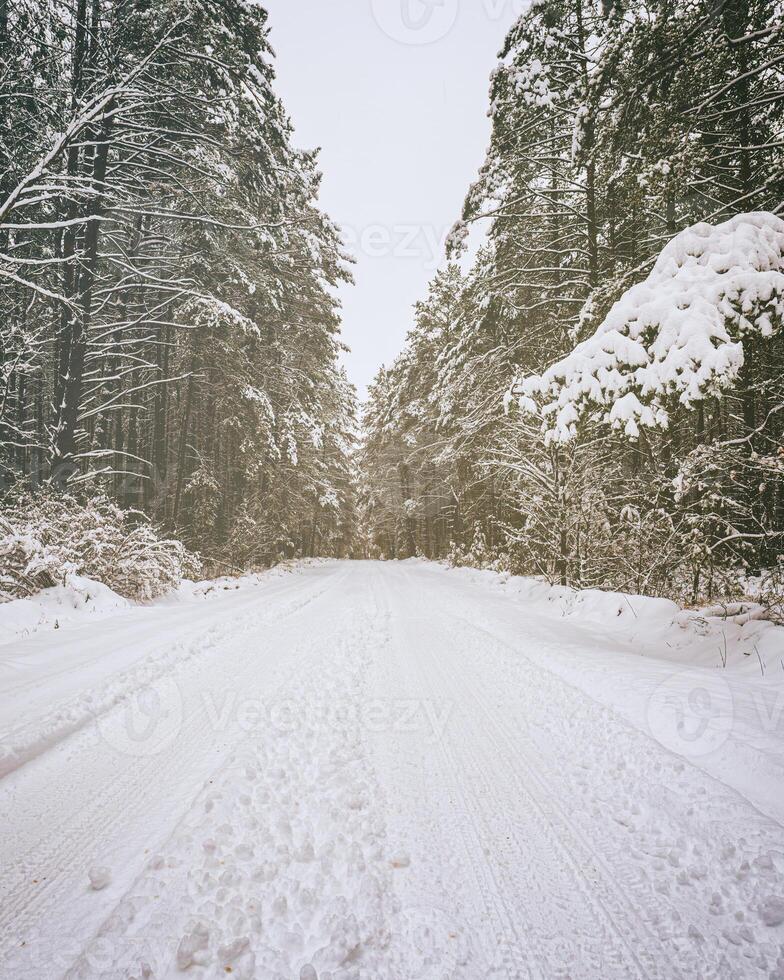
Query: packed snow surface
x,y
391,771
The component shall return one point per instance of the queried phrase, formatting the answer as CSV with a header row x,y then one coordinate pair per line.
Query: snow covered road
x,y
377,771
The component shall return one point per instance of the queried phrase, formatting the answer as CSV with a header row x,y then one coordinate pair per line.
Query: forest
x,y
592,391
169,327
598,397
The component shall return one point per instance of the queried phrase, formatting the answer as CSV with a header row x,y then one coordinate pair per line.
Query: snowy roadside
x,y
656,628
82,600
692,683
109,650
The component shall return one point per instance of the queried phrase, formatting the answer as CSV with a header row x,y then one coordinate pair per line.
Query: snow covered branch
x,y
677,336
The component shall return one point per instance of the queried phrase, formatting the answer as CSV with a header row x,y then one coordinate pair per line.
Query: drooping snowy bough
x,y
676,337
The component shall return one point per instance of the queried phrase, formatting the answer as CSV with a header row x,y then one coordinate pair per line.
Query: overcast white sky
x,y
396,94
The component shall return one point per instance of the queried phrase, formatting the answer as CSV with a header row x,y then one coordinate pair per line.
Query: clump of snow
x,y
99,877
772,911
192,945
232,951
676,336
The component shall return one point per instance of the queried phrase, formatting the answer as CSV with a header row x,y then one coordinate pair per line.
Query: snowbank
x,y
658,627
82,600
709,690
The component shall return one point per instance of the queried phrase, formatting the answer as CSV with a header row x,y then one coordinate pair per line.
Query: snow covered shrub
x,y
562,523
456,556
723,496
478,554
769,592
45,538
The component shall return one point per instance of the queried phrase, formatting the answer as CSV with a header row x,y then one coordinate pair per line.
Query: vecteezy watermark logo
x,y
691,714
415,21
420,242
146,722
425,718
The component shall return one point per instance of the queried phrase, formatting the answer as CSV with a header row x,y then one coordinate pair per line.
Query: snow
x,y
84,599
772,911
678,335
99,878
54,608
397,770
664,668
732,637
192,946
137,666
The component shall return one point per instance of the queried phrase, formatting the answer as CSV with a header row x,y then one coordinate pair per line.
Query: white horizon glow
x,y
395,94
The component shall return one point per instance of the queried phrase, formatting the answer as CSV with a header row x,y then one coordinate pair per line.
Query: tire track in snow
x,y
279,865
615,912
466,826
605,946
36,884
31,740
744,887
599,891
